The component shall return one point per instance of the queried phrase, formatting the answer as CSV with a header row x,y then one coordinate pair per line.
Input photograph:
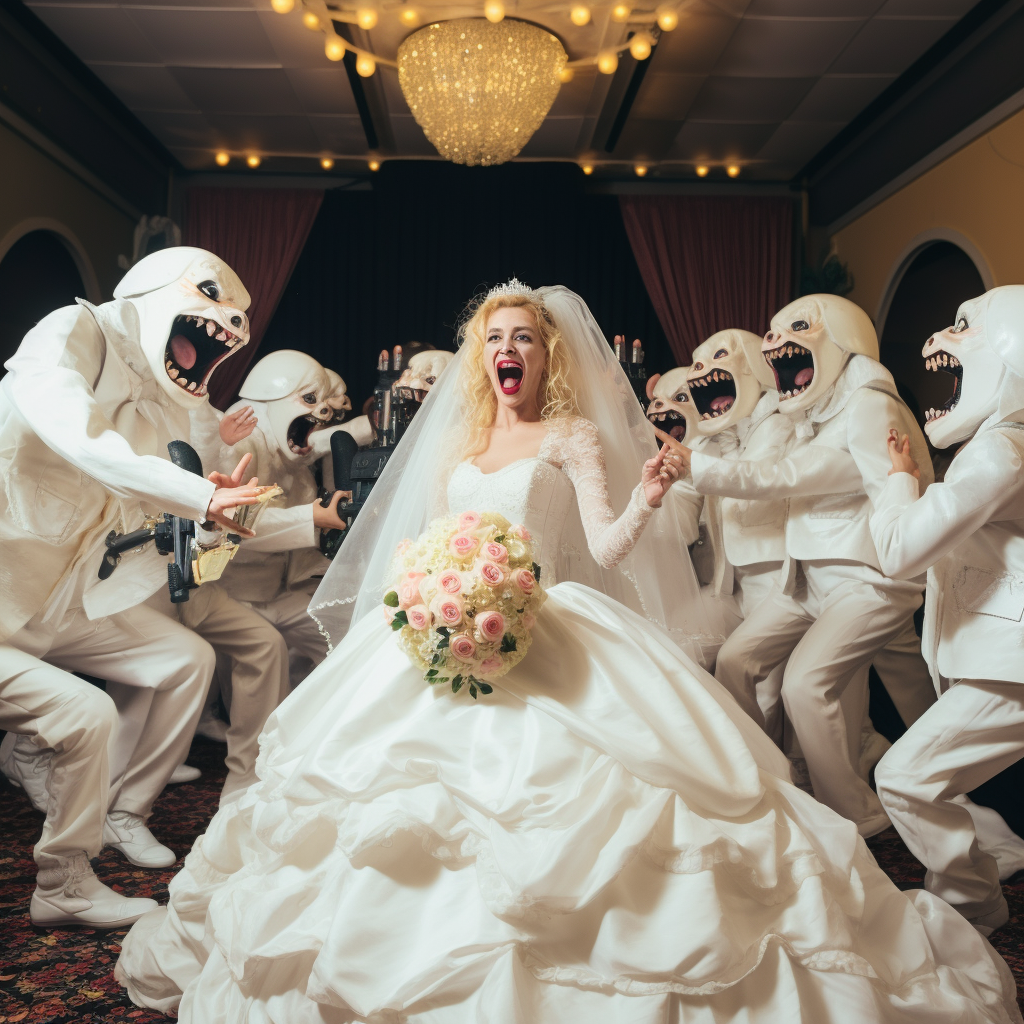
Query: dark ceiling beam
x,y
972,69
43,83
368,94
628,98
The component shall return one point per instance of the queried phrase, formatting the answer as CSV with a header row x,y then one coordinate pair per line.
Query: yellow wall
x,y
35,187
977,193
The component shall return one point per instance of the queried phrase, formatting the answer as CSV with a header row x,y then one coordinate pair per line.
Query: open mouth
x,y
670,421
714,394
510,376
947,364
793,366
298,434
195,348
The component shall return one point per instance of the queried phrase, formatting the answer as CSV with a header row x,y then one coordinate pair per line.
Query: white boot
x,y
128,833
27,767
183,773
73,895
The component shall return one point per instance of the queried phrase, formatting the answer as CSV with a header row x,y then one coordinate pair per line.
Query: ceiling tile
x,y
929,8
239,90
794,143
708,141
181,128
145,88
556,138
725,98
341,135
695,46
270,133
665,95
839,97
409,137
218,38
99,33
890,45
814,8
322,90
786,47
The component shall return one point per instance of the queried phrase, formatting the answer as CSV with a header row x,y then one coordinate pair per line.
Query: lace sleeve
x,y
576,446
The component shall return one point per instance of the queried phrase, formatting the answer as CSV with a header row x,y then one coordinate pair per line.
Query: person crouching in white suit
x,y
91,399
968,533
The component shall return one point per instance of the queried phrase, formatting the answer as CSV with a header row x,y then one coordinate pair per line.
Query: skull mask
x,y
671,406
727,378
293,388
191,309
338,400
422,372
809,344
984,353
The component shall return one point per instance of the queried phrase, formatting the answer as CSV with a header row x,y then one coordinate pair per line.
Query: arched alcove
x,y
37,276
936,279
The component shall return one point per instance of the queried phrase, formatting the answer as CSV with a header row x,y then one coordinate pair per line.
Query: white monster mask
x,y
810,342
671,406
423,370
727,378
191,309
293,388
337,399
984,353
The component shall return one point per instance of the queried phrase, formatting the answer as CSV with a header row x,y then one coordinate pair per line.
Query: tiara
x,y
514,287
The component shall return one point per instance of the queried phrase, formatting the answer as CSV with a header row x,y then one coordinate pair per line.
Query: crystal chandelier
x,y
480,90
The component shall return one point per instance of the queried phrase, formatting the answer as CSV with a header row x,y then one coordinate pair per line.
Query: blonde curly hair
x,y
480,405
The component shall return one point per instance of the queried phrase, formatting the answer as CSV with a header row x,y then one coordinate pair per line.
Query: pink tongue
x,y
722,404
804,377
183,352
678,432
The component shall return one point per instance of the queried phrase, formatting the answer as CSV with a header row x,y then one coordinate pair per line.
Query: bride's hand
x,y
659,474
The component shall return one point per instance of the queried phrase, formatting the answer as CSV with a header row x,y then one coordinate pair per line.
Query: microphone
x,y
343,451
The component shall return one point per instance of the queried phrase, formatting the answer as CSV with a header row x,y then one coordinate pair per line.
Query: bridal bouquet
x,y
465,598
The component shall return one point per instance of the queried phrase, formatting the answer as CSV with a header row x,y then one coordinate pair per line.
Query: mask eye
x,y
721,352
430,380
961,325
770,336
682,397
209,289
800,325
698,366
309,398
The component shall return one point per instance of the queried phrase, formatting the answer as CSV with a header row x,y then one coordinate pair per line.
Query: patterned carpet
x,y
65,976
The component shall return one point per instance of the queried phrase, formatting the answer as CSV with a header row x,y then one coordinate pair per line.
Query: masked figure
x,y
968,534
831,609
93,396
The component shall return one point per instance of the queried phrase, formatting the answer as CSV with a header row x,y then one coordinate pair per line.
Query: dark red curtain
x,y
711,264
259,233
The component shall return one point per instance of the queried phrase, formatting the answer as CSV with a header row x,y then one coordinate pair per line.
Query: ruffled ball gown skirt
x,y
603,839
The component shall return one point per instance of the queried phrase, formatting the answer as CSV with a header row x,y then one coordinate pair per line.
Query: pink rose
x,y
468,520
490,626
409,589
450,581
496,552
447,610
462,647
492,664
529,621
462,545
419,617
493,575
524,580
522,533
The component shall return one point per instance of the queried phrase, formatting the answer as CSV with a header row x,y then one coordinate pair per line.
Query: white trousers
x,y
157,673
288,612
973,732
830,630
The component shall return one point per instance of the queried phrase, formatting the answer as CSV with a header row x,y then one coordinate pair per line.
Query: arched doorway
x,y
37,276
937,279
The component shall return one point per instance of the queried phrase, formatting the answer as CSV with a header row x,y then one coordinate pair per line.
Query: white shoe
x,y
988,923
128,833
78,897
27,767
211,727
183,773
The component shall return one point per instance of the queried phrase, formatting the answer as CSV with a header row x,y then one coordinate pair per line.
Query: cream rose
x,y
493,575
496,552
468,520
448,610
409,589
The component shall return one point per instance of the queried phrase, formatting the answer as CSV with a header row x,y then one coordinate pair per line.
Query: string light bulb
x,y
640,46
607,62
621,13
253,160
580,15
334,48
640,170
409,17
365,65
326,162
733,170
222,159
668,17
588,169
311,21
702,170
566,75
494,11
366,18
283,6
374,165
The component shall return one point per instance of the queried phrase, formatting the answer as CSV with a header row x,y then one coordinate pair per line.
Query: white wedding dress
x,y
600,840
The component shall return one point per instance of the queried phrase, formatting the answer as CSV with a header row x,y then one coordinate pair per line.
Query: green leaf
x,y
456,684
472,690
508,643
499,539
431,672
391,598
536,572
485,687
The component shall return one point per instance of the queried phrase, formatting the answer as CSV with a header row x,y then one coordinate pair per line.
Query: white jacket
x,y
968,532
84,428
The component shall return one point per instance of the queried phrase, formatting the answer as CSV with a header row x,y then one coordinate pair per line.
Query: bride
x,y
604,838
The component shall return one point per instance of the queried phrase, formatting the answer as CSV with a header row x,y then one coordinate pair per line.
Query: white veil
x,y
656,579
